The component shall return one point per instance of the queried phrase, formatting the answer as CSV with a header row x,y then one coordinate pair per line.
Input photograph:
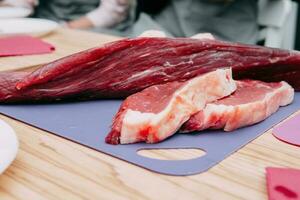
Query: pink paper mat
x,y
23,45
283,184
289,131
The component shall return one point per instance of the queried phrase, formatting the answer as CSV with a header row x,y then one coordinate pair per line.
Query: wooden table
x,y
49,167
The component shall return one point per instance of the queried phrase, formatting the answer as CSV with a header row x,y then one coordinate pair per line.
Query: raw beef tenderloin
x,y
121,68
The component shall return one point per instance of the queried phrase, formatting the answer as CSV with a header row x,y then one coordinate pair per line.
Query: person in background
x,y
297,45
108,14
233,20
79,14
19,3
82,14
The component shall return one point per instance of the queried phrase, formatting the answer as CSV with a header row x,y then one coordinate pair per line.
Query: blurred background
x,y
273,23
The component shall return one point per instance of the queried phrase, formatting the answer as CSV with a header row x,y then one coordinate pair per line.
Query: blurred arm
x,y
19,3
108,14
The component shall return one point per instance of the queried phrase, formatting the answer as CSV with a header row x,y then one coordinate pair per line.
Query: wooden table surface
x,y
49,167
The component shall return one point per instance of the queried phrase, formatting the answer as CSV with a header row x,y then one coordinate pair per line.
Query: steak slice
x,y
159,111
252,102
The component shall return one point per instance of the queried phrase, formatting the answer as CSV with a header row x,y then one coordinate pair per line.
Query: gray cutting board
x,y
87,123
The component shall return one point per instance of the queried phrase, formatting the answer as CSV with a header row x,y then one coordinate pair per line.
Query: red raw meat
x,y
9,94
8,81
158,111
127,66
252,102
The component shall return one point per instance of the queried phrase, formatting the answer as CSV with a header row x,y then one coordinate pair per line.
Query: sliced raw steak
x,y
158,111
252,102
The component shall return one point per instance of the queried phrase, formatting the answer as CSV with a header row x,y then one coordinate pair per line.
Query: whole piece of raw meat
x,y
127,66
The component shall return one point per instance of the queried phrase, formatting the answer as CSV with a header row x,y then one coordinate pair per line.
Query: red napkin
x,y
23,45
283,184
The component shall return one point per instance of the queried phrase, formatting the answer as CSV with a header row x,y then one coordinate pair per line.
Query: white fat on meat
x,y
202,36
157,33
187,100
153,33
252,102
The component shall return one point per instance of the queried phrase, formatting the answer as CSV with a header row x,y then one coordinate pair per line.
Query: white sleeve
x,y
21,3
109,13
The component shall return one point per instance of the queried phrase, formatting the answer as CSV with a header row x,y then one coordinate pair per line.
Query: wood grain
x,y
49,167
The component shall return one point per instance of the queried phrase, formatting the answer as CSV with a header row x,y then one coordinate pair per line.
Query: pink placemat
x,y
289,131
283,183
23,45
